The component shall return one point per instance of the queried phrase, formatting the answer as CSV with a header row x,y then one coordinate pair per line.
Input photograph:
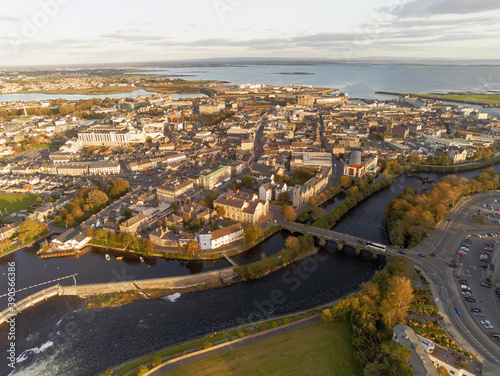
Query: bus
x,y
376,246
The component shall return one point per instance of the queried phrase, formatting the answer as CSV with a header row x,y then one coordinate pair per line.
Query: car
x,y
488,326
402,252
470,299
466,294
484,266
459,311
421,255
483,322
463,281
461,253
478,314
496,335
485,284
453,265
433,254
475,309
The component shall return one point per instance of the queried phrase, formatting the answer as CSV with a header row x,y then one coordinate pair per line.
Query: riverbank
x,y
331,218
213,255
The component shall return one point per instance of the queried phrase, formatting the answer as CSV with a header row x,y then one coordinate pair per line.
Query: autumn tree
x,y
345,182
247,181
288,212
252,233
291,242
221,211
30,229
97,198
118,188
192,247
397,303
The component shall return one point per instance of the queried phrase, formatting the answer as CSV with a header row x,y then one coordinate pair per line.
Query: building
x,y
358,165
210,180
169,192
7,231
220,237
314,186
211,108
135,224
104,135
104,168
400,132
242,206
73,169
316,160
69,240
457,155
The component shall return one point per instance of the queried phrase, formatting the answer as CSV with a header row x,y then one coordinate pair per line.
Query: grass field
x,y
483,98
319,349
14,203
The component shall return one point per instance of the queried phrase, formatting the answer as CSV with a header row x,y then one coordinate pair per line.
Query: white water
x,y
172,298
34,350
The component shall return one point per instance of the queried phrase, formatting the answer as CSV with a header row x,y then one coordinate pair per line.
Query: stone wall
x,y
157,283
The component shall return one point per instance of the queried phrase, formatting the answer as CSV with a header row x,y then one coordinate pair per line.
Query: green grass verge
x,y
319,349
454,168
14,203
480,98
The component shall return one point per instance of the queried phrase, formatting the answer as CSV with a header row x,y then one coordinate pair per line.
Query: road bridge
x,y
359,244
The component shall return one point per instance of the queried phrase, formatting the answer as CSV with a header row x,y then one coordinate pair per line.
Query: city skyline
x,y
63,32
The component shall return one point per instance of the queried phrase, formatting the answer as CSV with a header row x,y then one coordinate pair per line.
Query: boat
x,y
107,257
119,258
140,258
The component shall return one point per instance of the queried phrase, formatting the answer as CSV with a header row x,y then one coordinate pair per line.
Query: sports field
x,y
319,349
13,203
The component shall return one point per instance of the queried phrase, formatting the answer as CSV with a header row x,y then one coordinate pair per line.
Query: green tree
x,y
392,360
345,182
247,181
30,229
252,233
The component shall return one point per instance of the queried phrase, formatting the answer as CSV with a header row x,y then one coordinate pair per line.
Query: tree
x,y
247,181
284,197
77,212
221,211
150,246
288,212
192,247
30,229
97,198
345,182
291,242
252,233
441,370
392,360
157,360
119,188
399,296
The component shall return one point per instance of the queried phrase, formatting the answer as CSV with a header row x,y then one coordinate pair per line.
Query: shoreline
x,y
442,97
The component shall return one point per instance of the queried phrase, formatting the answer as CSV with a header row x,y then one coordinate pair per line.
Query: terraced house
x,y
243,207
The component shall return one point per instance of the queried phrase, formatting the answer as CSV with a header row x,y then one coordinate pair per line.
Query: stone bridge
x,y
360,245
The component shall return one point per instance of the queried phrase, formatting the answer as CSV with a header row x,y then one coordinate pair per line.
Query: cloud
x,y
425,8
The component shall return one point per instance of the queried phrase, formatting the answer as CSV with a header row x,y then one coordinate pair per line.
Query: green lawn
x,y
319,349
14,203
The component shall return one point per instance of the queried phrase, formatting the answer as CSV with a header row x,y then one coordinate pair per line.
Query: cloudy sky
x,y
61,32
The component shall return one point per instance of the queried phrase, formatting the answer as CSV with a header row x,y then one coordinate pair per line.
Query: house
x,y
302,193
220,237
266,190
7,231
69,240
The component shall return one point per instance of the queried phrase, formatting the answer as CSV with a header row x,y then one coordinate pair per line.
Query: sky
x,y
63,32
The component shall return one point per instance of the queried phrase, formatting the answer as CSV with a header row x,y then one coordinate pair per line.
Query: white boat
x,y
107,257
140,258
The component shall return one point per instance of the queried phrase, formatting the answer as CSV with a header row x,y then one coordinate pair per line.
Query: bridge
x,y
359,244
29,302
230,260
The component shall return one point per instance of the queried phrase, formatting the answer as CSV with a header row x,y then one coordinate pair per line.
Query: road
x,y
445,240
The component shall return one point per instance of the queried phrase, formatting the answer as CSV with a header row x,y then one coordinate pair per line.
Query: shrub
x,y
274,324
207,345
142,370
286,320
156,361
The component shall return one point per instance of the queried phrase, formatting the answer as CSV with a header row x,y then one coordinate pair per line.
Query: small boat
x,y
119,258
107,257
140,258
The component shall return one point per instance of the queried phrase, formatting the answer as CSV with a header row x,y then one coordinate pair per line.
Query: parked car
x,y
470,299
459,311
485,284
475,309
453,265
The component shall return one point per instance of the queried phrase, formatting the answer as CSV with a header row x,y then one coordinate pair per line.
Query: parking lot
x,y
471,261
490,210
